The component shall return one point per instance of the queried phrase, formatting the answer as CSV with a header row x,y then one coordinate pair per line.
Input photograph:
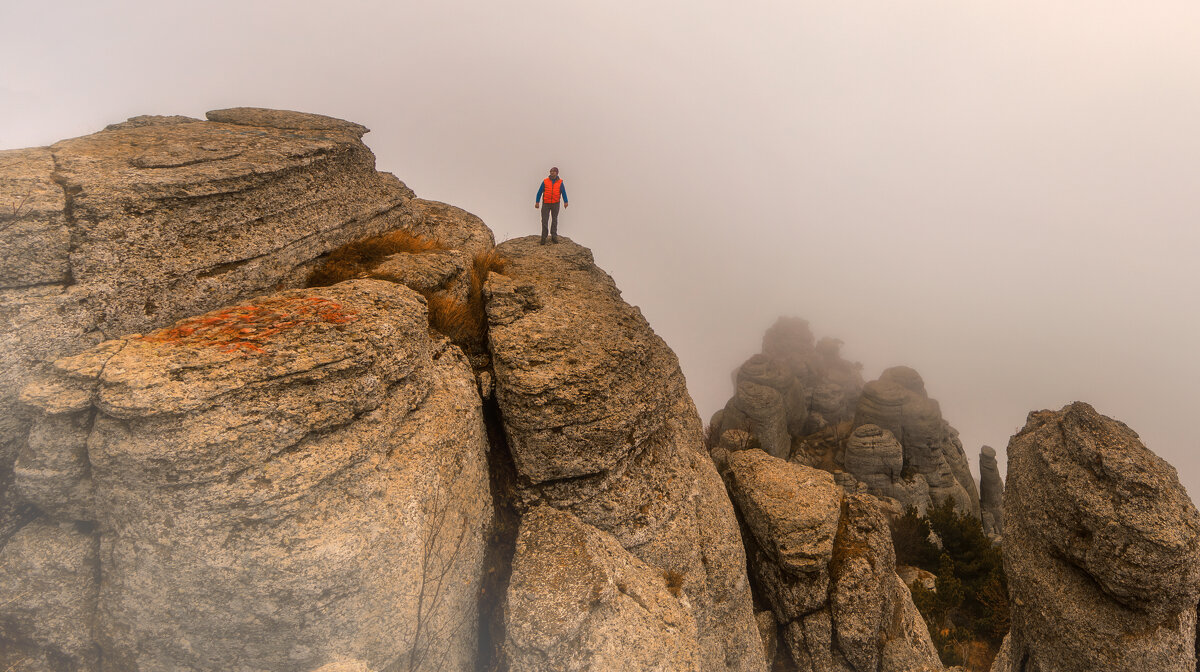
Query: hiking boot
x,y
543,240
554,239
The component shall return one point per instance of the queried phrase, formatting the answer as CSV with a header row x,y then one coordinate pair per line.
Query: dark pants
x,y
550,212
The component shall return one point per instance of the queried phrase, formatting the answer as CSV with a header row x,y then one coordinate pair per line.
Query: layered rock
x,y
824,562
296,480
579,601
160,218
991,492
600,425
1101,549
897,402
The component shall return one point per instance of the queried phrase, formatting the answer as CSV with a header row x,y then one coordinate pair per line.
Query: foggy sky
x,y
1002,195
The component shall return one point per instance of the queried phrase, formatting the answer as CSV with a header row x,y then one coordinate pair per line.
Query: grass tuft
x,y
355,260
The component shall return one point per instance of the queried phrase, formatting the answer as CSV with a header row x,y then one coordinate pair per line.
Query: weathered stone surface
x,y
991,492
581,378
48,590
34,239
1101,549
296,480
824,561
898,403
600,425
285,119
424,272
156,219
579,601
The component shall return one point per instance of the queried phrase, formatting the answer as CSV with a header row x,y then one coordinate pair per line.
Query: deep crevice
x,y
501,544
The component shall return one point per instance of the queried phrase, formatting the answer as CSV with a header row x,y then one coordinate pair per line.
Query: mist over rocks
x,y
802,402
1101,548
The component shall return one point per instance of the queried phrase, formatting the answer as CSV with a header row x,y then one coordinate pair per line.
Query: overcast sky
x,y
1002,195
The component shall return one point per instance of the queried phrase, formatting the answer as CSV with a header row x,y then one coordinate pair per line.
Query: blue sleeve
x,y
563,191
541,188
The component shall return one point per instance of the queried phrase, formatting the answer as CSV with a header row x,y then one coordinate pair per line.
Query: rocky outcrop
x,y
296,480
1101,549
824,561
600,426
897,402
579,601
793,388
802,402
991,492
161,218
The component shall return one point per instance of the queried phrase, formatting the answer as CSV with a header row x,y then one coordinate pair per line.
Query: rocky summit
x,y
262,408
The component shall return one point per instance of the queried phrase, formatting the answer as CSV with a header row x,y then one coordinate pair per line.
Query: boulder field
x,y
207,464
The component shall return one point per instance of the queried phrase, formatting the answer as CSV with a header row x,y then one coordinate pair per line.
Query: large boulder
x,y
600,425
296,480
1101,549
160,218
578,600
824,562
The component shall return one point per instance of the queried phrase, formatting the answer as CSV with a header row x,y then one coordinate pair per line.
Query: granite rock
x,y
578,600
991,492
295,480
1101,549
600,425
824,562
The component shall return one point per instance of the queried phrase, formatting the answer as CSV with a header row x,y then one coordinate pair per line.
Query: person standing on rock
x,y
549,193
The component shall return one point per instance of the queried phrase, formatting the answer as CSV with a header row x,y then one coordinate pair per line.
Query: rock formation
x,y
897,402
824,562
991,492
793,388
291,481
600,426
162,218
801,401
1101,548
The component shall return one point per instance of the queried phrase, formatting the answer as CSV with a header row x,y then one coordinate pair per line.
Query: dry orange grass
x,y
355,260
466,323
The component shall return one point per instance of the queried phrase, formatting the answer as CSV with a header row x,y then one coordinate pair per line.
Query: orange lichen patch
x,y
247,328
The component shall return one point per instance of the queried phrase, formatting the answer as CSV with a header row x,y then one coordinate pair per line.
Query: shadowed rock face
x,y
601,426
991,492
1101,548
296,480
824,562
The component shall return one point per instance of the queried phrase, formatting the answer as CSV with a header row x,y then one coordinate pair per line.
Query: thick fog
x,y
1002,195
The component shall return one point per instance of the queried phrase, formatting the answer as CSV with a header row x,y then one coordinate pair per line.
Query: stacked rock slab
x,y
600,426
991,492
897,402
160,218
825,563
1101,549
293,481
